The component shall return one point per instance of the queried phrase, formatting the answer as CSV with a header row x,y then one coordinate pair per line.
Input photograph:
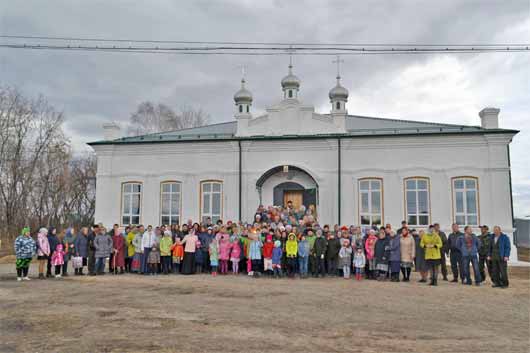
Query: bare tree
x,y
152,118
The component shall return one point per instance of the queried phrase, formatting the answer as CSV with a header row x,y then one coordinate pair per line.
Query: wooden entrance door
x,y
295,196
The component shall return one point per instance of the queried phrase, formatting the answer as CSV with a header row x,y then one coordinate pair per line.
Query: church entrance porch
x,y
287,183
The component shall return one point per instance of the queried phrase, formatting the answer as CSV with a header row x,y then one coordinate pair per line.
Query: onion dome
x,y
291,80
338,92
243,95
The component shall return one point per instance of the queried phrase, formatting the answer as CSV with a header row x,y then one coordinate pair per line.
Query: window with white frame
x,y
465,200
417,201
371,201
170,197
212,200
131,194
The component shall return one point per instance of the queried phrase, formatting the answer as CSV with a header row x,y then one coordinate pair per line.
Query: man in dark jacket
x,y
53,241
81,249
444,250
454,253
319,250
499,254
332,254
485,239
91,262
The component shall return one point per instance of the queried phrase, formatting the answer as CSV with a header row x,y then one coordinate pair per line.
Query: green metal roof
x,y
356,126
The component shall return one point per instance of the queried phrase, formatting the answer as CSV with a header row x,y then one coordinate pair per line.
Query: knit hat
x,y
268,237
25,230
43,230
167,232
277,244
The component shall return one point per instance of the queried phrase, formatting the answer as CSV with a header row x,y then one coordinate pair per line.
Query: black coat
x,y
320,247
333,249
382,250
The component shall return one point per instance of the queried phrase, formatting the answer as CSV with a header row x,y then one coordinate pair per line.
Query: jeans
x,y
145,265
346,271
303,261
443,264
467,273
332,267
456,264
166,264
321,266
100,264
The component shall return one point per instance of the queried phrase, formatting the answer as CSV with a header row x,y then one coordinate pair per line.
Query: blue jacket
x,y
395,248
25,247
303,248
277,256
475,245
81,245
504,245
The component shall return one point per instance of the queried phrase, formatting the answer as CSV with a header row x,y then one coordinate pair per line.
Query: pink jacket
x,y
43,245
236,250
58,255
224,247
370,247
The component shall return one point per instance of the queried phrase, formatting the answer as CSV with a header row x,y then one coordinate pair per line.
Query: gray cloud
x,y
92,88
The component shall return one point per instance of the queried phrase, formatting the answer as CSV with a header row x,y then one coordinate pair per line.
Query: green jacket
x,y
485,240
165,246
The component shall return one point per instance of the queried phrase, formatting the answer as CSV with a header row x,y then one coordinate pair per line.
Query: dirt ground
x,y
132,313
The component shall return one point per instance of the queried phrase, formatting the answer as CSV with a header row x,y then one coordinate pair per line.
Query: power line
x,y
88,39
269,50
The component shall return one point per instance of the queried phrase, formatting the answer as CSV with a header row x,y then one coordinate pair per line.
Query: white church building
x,y
353,169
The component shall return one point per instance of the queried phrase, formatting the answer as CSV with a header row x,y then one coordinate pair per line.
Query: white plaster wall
x,y
439,158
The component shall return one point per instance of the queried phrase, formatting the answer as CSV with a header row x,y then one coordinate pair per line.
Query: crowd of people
x,y
280,242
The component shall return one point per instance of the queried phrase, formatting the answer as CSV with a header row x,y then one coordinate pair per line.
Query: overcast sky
x,y
93,88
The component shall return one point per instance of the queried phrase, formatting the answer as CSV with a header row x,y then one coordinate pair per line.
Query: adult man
x,y
499,254
103,245
485,238
443,250
469,245
332,253
313,264
148,240
403,225
91,262
454,253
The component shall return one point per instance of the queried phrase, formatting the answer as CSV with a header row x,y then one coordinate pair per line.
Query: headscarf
x,y
25,230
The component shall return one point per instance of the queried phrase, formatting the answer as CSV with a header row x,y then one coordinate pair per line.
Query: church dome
x,y
338,92
291,80
243,95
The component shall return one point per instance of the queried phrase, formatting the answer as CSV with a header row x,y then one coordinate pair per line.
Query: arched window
x,y
465,201
417,201
290,94
131,197
371,201
170,202
211,200
338,105
241,108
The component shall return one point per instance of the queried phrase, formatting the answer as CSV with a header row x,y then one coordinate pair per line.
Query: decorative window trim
x,y
162,183
405,211
453,198
201,197
359,205
140,201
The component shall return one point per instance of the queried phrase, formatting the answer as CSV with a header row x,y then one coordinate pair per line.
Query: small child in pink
x,y
224,251
235,255
58,259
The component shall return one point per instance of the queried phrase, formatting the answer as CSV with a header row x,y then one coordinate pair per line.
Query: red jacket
x,y
267,250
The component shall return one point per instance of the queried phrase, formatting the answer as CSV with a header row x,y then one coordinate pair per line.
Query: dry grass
x,y
239,314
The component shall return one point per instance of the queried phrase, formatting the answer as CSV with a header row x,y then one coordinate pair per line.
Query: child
x,y
303,256
224,250
267,254
370,254
43,250
154,257
199,257
359,261
254,253
58,259
165,251
277,254
214,257
345,258
235,255
177,252
291,248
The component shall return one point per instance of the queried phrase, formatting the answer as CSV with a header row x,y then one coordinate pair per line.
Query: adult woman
x,y
118,244
190,243
136,264
24,251
68,242
43,250
432,243
81,249
395,256
407,252
103,245
129,252
53,241
420,264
